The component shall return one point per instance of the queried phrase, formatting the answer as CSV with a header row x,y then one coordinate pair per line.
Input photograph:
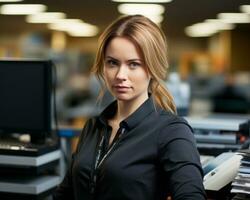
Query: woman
x,y
137,149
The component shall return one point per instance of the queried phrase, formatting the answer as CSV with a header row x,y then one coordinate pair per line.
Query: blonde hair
x,y
151,41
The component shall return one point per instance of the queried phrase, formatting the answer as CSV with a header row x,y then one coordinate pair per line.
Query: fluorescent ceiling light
x,y
155,18
10,1
220,25
21,9
45,17
143,1
200,30
64,24
143,9
234,17
75,27
245,8
84,32
208,28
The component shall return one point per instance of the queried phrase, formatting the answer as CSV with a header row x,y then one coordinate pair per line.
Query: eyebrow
x,y
112,58
130,60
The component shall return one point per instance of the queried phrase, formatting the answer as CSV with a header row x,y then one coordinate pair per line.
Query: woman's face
x,y
124,71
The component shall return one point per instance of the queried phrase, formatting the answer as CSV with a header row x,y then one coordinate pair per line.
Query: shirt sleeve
x,y
180,161
65,189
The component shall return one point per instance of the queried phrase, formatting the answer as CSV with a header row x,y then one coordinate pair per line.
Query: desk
x,y
28,187
24,185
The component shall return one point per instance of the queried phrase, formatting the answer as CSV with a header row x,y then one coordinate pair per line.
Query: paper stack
x,y
241,183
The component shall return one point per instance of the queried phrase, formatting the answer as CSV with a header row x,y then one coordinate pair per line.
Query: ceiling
x,y
178,14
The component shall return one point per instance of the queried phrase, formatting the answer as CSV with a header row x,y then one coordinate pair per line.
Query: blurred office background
x,y
208,52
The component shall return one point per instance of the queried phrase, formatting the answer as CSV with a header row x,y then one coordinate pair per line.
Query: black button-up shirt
x,y
156,156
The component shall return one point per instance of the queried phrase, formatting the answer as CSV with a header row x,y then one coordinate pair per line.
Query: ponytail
x,y
162,96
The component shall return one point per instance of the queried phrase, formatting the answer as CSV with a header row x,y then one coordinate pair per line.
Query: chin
x,y
122,97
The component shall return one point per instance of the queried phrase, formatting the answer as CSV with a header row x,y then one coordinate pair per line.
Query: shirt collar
x,y
134,119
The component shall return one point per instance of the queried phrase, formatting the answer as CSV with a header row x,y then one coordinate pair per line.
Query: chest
x,y
133,156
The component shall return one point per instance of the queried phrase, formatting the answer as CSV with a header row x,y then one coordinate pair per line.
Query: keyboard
x,y
26,149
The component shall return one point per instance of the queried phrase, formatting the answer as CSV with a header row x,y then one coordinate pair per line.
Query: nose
x,y
121,73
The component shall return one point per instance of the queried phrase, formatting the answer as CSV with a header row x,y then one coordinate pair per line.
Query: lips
x,y
121,88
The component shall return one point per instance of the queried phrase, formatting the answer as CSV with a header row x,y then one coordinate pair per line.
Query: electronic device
x,y
25,105
223,170
220,133
29,148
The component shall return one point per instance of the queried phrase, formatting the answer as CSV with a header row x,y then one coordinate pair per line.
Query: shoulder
x,y
91,121
169,120
176,141
174,127
90,124
88,128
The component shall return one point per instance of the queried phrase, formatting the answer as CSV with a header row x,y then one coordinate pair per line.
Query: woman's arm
x,y
65,191
181,162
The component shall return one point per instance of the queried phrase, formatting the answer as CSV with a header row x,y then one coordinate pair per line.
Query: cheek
x,y
107,77
141,80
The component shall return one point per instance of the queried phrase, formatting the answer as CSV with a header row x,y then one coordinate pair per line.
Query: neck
x,y
126,108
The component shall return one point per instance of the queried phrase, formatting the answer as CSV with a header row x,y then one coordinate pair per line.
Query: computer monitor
x,y
25,97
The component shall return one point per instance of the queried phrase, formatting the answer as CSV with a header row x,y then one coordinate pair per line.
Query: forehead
x,y
124,48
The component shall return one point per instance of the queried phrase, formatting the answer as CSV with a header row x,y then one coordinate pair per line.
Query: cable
x,y
56,135
54,83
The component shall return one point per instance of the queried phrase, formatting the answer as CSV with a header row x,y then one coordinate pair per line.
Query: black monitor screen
x,y
25,96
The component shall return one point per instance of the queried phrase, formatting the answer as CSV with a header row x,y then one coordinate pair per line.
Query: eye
x,y
112,63
134,65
